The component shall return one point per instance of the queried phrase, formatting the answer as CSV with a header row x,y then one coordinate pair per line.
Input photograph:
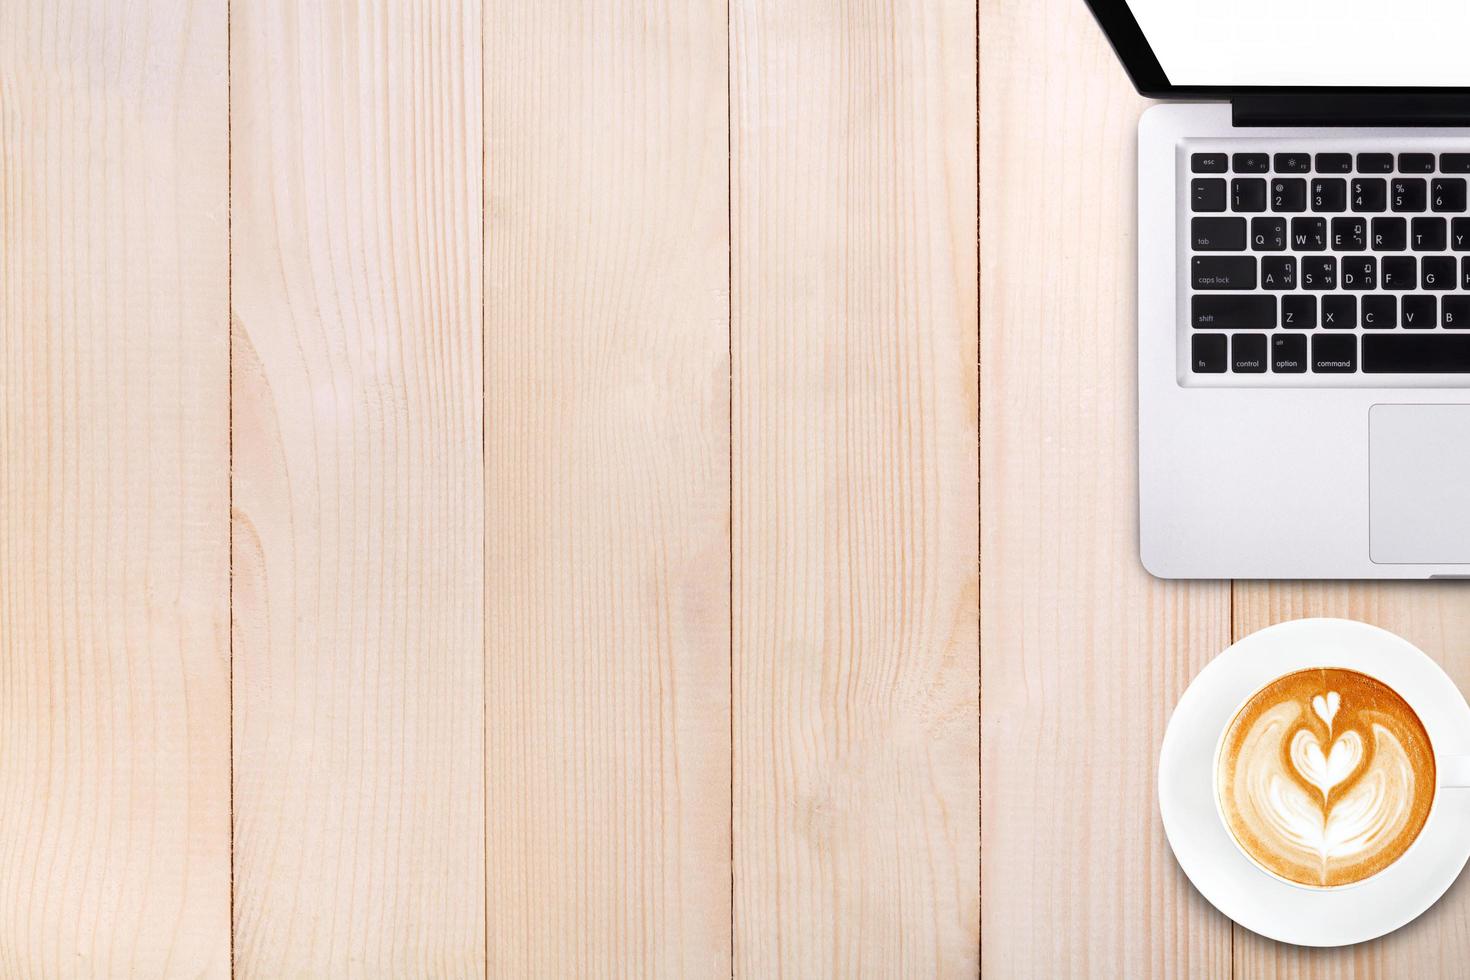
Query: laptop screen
x,y
1360,43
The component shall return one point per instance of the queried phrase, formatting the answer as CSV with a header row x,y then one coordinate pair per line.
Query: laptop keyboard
x,y
1328,267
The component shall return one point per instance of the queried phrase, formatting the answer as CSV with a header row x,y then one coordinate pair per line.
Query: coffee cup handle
x,y
1454,771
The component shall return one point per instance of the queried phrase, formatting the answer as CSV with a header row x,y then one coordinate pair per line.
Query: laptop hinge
x,y
1352,109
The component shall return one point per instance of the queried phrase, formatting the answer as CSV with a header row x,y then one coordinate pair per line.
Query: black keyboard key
x,y
1209,163
1292,163
1339,312
1334,163
1443,353
1437,272
1319,272
1465,273
1334,354
1329,195
1299,312
1207,193
1456,312
1455,163
1369,194
1268,234
1278,272
1233,312
1428,234
1409,194
1400,272
1447,194
1309,234
1460,234
1349,234
1375,163
1359,272
1218,234
1389,234
1250,163
1248,194
1288,353
1288,194
1248,353
1420,312
1224,272
1207,351
1380,312
1416,163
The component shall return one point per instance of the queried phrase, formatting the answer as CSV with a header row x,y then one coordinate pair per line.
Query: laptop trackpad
x,y
1419,489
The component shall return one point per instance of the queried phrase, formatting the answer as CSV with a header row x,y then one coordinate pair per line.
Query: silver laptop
x,y
1303,286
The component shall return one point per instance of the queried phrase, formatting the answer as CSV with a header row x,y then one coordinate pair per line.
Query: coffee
x,y
1325,777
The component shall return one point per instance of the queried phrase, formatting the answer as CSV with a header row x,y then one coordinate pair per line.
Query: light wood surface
x,y
495,489
1083,653
358,483
607,379
114,492
855,502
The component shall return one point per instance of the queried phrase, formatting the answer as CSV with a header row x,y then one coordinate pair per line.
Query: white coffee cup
x,y
1217,865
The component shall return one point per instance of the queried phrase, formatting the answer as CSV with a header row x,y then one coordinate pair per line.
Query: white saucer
x,y
1208,854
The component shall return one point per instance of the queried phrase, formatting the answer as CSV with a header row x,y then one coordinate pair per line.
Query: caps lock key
x,y
1224,272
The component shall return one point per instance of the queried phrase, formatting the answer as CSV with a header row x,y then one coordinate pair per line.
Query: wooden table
x,y
488,488
494,488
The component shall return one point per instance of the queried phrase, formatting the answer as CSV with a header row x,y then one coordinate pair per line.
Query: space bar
x,y
1416,354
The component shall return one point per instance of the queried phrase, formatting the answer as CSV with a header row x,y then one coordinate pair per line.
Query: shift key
x,y
1233,312
1224,272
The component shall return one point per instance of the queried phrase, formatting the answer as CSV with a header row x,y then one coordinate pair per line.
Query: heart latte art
x,y
1325,777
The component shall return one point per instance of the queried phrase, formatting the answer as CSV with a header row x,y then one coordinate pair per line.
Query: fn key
x,y
1207,353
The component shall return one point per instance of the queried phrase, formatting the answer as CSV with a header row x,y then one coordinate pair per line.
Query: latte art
x,y
1325,777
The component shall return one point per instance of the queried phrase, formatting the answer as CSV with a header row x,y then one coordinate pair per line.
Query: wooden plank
x,y
114,493
607,435
855,510
358,489
1435,616
1084,654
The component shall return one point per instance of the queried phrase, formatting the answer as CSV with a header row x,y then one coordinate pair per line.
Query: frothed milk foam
x,y
1325,777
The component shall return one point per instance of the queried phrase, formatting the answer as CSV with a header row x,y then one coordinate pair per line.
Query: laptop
x,y
1303,286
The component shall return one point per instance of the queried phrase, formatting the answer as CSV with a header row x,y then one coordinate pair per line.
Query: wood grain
x,y
1083,653
855,596
607,427
114,494
1435,616
358,489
